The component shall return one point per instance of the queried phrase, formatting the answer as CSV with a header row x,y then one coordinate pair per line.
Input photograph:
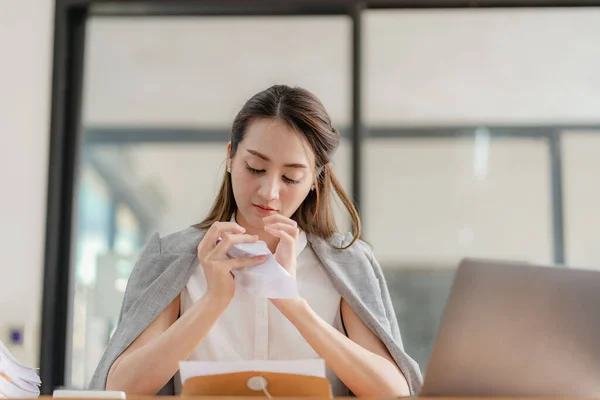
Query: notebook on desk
x,y
518,330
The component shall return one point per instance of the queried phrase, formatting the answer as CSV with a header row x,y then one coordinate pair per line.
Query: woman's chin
x,y
252,220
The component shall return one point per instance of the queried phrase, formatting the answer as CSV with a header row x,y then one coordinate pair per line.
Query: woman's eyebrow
x,y
260,155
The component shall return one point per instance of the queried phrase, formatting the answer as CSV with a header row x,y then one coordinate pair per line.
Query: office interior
x,y
469,129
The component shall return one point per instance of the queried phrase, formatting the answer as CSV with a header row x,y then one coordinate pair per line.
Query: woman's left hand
x,y
287,231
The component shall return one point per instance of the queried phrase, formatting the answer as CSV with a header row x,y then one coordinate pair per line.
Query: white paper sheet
x,y
16,380
308,367
269,279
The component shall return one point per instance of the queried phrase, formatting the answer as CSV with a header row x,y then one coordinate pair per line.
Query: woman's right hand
x,y
215,262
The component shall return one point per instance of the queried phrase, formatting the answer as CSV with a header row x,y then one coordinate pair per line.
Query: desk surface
x,y
317,398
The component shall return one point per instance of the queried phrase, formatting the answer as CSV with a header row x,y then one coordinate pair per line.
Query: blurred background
x,y
481,138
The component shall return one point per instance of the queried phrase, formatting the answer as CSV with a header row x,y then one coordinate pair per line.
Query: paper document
x,y
308,367
16,380
269,279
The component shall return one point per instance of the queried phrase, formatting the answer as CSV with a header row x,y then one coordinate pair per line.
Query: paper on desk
x,y
269,279
308,367
16,380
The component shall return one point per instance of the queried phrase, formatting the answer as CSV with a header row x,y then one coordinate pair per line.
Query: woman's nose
x,y
269,189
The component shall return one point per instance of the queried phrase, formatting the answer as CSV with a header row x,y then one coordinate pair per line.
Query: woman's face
x,y
271,172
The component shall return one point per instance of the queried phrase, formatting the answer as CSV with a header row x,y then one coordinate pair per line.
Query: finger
x,y
235,263
275,218
214,232
280,226
220,250
282,235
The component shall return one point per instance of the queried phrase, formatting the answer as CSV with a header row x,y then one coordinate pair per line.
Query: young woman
x,y
182,303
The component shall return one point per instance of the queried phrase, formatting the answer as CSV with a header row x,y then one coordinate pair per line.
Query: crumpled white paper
x,y
269,279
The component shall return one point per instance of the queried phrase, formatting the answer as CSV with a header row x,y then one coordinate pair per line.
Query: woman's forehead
x,y
279,142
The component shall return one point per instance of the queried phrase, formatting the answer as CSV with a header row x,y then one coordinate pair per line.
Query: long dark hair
x,y
303,112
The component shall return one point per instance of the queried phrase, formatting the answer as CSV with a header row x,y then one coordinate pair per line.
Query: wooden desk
x,y
304,398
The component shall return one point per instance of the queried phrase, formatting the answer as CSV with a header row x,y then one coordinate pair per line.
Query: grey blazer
x,y
166,264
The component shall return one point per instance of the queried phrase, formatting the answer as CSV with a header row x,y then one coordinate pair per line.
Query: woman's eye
x,y
261,171
292,181
254,170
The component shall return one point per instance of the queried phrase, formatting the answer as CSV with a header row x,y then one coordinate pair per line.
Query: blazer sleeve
x,y
409,367
141,278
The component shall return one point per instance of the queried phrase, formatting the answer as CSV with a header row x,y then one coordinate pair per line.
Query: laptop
x,y
518,330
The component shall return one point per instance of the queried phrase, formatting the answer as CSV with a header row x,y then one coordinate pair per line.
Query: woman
x,y
182,302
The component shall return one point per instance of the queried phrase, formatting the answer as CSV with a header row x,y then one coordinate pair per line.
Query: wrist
x,y
294,305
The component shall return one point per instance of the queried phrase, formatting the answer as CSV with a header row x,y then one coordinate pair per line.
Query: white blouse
x,y
251,328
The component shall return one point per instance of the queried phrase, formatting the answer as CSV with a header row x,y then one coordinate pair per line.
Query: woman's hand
x,y
215,262
287,231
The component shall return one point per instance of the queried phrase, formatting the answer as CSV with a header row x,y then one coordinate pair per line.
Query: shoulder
x,y
181,242
160,252
158,255
339,248
339,254
354,270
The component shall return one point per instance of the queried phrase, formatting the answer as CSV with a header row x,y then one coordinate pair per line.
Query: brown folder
x,y
277,385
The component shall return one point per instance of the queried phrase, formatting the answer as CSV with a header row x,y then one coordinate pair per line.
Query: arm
x,y
360,360
153,357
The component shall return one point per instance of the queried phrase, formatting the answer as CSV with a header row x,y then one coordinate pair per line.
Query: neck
x,y
270,240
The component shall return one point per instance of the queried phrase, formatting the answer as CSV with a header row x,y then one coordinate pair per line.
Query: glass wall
x,y
581,193
459,112
436,192
432,201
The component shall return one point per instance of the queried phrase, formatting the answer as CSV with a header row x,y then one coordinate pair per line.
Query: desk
x,y
316,398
